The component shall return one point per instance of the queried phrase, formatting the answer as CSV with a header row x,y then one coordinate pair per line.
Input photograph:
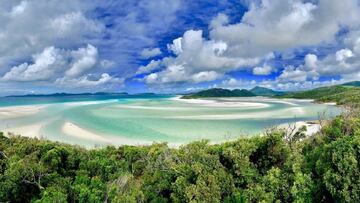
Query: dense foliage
x,y
340,94
219,92
266,92
269,168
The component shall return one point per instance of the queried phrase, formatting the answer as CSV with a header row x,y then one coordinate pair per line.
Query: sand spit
x,y
32,131
19,111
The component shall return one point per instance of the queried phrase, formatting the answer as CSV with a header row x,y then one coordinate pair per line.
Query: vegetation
x,y
271,168
266,92
339,93
353,83
277,167
219,92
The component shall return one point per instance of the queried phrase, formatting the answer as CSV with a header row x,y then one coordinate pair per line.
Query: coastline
x,y
20,111
73,130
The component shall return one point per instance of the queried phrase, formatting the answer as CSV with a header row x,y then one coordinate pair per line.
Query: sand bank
x,y
19,111
32,131
76,131
224,103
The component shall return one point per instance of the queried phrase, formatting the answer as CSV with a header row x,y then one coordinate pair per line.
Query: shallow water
x,y
165,119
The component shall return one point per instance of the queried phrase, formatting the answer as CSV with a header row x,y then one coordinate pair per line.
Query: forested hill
x,y
262,91
340,94
219,92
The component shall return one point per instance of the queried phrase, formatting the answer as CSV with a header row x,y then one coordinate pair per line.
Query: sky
x,y
176,46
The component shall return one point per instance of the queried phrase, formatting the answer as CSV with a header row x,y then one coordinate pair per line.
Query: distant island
x,y
347,93
266,92
341,94
63,94
219,92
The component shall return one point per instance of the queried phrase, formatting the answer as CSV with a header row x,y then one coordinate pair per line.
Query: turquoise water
x,y
147,119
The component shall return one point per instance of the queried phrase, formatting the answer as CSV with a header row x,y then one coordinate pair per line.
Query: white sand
x,y
84,103
19,111
330,103
224,102
73,130
78,132
32,131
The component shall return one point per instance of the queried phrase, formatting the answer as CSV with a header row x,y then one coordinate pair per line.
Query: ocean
x,y
98,120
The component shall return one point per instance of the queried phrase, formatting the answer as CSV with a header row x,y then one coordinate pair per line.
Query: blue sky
x,y
176,46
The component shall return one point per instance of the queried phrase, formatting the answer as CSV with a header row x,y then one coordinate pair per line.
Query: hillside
x,y
219,92
353,83
338,93
266,92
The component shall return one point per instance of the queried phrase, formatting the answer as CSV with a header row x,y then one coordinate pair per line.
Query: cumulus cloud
x,y
345,62
44,41
28,27
150,53
45,65
281,25
153,65
84,60
89,81
292,74
267,27
238,83
64,67
52,62
263,70
197,60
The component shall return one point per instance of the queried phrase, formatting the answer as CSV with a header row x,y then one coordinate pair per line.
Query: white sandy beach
x,y
19,111
76,131
224,102
32,131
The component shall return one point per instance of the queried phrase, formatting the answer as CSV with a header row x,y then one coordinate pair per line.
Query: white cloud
x,y
153,65
28,27
67,68
343,54
282,25
267,27
197,59
150,53
238,83
88,81
53,62
205,76
264,70
176,46
311,61
18,9
45,66
292,74
84,60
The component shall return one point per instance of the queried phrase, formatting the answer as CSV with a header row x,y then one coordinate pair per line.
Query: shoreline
x,y
77,132
9,112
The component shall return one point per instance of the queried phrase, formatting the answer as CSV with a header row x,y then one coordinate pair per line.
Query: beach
x,y
145,121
